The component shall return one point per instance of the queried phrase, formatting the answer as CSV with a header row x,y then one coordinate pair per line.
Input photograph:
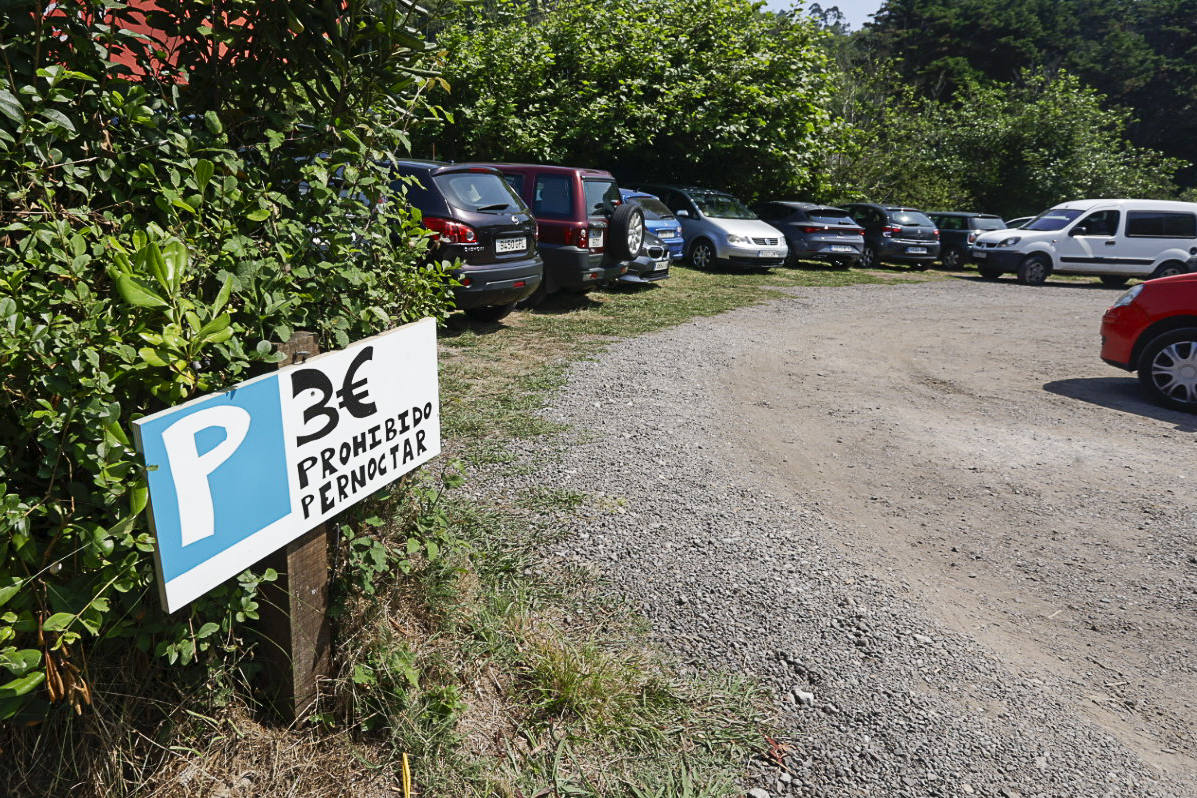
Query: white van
x,y
1114,239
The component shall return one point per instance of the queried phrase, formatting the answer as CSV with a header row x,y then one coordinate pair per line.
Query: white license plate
x,y
767,253
510,245
979,254
842,249
596,239
916,250
661,265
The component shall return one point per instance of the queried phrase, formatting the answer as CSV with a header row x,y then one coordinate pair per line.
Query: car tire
x,y
1113,280
490,312
625,232
702,254
952,259
1034,269
1169,268
868,258
989,272
1168,369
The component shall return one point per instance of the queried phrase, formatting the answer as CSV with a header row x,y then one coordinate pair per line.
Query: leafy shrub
x,y
156,235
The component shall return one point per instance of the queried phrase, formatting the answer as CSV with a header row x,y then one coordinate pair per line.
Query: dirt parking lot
x,y
969,441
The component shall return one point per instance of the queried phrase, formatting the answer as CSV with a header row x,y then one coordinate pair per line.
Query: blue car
x,y
659,220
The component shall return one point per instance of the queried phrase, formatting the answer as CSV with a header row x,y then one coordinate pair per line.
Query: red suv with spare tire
x,y
588,235
1152,329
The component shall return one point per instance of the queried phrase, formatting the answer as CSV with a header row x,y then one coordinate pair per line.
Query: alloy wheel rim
x,y
701,256
635,234
1174,371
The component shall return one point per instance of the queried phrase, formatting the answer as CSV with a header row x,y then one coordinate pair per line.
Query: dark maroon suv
x,y
481,221
588,236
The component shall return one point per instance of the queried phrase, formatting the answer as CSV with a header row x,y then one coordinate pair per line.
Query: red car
x,y
1152,329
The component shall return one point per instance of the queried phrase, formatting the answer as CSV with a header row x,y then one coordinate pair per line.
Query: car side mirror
x,y
1079,230
682,214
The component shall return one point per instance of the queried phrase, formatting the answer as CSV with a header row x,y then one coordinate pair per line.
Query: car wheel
x,y
868,258
625,232
951,259
1168,369
1113,281
490,312
1034,270
1169,269
989,272
702,254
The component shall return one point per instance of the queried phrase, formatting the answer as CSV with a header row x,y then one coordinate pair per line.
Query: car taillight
x,y
935,233
535,231
857,230
450,232
810,229
578,237
889,230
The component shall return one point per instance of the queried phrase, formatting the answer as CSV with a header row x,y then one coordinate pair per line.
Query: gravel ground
x,y
958,547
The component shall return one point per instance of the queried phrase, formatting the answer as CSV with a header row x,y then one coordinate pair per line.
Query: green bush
x,y
160,226
720,92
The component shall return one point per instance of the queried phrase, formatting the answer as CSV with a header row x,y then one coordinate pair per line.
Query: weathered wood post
x,y
294,608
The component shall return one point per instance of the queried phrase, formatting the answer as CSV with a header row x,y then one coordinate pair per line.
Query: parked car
x,y
588,235
718,228
895,234
1017,222
1114,239
1152,329
478,218
958,231
815,232
659,220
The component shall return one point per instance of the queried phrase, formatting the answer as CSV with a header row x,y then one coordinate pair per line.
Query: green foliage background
x,y
161,223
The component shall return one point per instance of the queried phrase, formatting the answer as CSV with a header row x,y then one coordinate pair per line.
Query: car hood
x,y
746,227
997,235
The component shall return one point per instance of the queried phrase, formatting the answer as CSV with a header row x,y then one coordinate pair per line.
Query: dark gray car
x,y
958,231
895,234
815,232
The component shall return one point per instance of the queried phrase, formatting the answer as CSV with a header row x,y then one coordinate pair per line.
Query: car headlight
x,y
1129,296
734,239
1009,242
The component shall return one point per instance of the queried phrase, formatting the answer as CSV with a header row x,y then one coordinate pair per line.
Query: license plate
x,y
767,253
842,249
917,250
661,265
510,245
596,239
979,254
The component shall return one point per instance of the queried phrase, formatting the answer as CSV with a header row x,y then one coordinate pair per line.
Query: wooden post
x,y
293,609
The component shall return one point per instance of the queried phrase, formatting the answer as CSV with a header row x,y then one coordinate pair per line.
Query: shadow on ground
x,y
1120,393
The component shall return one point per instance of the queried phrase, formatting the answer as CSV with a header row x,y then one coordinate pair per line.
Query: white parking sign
x,y
236,475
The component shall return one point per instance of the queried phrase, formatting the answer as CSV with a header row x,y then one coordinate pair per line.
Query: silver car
x,y
719,229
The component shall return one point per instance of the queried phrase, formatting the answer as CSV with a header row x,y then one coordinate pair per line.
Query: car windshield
x,y
477,191
830,216
1055,219
911,218
601,196
988,223
653,208
720,206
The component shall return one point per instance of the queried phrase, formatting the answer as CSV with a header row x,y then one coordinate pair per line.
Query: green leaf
x,y
59,118
21,686
207,630
217,324
8,591
222,297
137,294
151,356
58,622
174,257
204,170
259,215
10,106
20,662
212,122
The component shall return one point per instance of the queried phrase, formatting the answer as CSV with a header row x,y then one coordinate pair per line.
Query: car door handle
x,y
1111,243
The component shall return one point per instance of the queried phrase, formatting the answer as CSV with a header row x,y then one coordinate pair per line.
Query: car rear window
x,y
653,208
720,206
477,191
830,215
601,196
988,223
910,218
1055,219
1160,224
554,197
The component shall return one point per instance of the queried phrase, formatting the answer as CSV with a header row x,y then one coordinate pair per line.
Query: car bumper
x,y
908,251
676,247
574,269
754,254
1005,260
646,270
497,284
826,252
1120,328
